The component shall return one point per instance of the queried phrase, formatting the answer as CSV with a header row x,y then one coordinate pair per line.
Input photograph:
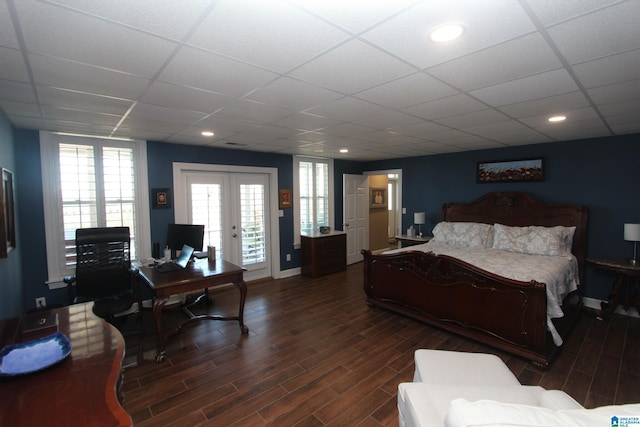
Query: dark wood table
x,y
626,286
199,275
83,389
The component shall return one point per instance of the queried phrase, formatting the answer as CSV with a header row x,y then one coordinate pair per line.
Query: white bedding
x,y
559,273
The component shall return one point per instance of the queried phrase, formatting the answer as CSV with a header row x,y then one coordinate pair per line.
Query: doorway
x,y
236,206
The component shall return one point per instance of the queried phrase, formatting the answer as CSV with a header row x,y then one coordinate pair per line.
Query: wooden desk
x,y
83,388
199,275
627,278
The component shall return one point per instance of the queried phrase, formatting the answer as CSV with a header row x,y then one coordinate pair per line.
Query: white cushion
x,y
467,234
463,413
423,404
534,240
454,367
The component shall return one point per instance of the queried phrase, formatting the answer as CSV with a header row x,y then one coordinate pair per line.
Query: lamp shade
x,y
632,232
418,218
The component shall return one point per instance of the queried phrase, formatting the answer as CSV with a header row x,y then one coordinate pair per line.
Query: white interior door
x,y
355,215
234,209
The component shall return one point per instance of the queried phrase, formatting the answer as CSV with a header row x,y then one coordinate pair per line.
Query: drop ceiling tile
x,y
347,109
346,130
170,115
183,97
305,121
23,109
414,89
612,69
17,91
406,35
388,120
550,106
26,122
7,31
446,107
56,97
167,18
622,108
552,11
624,124
573,116
293,94
422,129
474,118
351,15
486,130
159,127
577,130
579,43
263,134
102,43
204,70
252,31
615,92
66,114
366,65
242,109
84,78
13,67
519,137
226,126
514,59
528,88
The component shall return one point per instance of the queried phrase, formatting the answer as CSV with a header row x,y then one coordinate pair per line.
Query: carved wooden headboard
x,y
520,209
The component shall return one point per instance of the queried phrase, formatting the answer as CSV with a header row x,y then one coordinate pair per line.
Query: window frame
x,y
51,189
297,228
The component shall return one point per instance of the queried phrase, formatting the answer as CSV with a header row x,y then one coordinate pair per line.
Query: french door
x,y
234,208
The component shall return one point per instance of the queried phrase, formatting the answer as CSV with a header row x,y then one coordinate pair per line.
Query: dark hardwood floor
x,y
317,355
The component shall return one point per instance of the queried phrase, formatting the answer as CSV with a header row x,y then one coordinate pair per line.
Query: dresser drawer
x,y
323,254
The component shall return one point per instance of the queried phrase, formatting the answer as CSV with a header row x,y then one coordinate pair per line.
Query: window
x,y
91,183
313,189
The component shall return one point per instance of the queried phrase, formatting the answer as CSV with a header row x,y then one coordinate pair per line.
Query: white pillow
x,y
534,240
463,413
468,234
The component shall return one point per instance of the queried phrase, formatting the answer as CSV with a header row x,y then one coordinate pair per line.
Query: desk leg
x,y
242,287
158,305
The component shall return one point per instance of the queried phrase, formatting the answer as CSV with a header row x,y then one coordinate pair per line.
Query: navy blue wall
x,y
600,173
10,267
160,157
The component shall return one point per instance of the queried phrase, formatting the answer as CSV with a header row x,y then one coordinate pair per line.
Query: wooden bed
x,y
451,294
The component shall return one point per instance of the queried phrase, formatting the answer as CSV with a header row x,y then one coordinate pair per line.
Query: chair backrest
x,y
103,261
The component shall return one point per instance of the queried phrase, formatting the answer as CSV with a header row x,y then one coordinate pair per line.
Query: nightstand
x,y
405,240
626,286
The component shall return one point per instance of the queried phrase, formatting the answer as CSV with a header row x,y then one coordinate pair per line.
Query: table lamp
x,y
418,218
632,234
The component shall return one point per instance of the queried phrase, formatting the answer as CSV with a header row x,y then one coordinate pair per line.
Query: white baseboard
x,y
595,304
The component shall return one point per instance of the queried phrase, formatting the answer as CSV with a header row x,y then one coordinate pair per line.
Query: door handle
x,y
234,235
346,225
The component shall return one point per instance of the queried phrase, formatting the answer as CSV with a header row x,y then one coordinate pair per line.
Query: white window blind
x,y
252,219
206,208
90,183
314,190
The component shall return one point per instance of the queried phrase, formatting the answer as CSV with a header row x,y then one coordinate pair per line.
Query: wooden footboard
x,y
451,294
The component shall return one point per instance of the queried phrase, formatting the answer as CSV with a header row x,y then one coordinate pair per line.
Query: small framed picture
x,y
161,197
285,199
378,197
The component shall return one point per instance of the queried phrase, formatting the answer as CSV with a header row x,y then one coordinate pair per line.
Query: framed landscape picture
x,y
511,171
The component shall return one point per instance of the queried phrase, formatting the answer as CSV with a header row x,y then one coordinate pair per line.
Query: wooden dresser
x,y
323,253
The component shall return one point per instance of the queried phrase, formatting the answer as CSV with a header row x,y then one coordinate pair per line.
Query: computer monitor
x,y
185,234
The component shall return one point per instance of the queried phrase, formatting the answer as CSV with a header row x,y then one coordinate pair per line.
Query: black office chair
x,y
103,272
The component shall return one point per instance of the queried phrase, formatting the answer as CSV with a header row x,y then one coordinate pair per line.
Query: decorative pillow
x,y
468,234
534,240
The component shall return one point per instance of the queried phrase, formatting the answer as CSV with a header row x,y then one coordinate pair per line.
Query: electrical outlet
x,y
41,302
288,257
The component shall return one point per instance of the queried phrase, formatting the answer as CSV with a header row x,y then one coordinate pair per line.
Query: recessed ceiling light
x,y
206,133
446,32
557,119
344,150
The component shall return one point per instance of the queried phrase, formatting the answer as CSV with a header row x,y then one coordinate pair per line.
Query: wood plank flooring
x,y
317,355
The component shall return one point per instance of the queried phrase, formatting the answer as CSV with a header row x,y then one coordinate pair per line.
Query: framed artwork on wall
x,y
161,198
7,214
511,171
285,199
378,197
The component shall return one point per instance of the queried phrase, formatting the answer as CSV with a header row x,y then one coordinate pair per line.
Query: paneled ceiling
x,y
316,76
